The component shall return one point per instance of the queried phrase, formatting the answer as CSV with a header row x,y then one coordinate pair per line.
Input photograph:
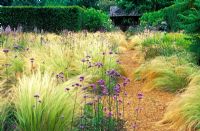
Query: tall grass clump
x,y
166,73
162,44
3,113
183,113
42,104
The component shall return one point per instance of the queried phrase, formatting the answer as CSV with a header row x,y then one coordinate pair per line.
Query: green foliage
x,y
144,5
54,19
88,3
98,120
105,4
5,2
84,3
17,65
190,19
152,18
47,18
171,17
195,48
94,20
165,44
190,22
28,2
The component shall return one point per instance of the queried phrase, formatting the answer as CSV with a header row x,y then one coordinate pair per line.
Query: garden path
x,y
153,104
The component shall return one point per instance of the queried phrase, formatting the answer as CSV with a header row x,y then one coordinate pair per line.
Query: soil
x,y
153,105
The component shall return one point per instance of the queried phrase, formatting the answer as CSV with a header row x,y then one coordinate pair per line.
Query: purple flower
x,y
140,96
8,30
82,127
105,91
60,75
125,83
101,82
115,97
16,47
117,89
104,88
81,78
134,126
93,86
5,51
83,60
125,93
104,109
113,73
120,101
110,52
99,64
77,85
14,126
109,114
137,109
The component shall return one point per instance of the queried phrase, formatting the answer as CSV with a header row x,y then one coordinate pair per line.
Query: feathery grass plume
x,y
42,104
64,54
165,73
183,113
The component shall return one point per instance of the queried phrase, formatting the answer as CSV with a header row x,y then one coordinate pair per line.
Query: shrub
x,y
152,18
94,20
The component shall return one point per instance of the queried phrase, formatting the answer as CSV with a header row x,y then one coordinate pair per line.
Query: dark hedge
x,y
51,19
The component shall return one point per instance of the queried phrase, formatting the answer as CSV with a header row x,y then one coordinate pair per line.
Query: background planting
x,y
53,19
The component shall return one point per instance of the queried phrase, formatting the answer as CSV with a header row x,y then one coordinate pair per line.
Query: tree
x,y
88,3
5,2
144,5
190,22
190,19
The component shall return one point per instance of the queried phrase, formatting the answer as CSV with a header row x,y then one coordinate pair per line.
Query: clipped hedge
x,y
52,19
